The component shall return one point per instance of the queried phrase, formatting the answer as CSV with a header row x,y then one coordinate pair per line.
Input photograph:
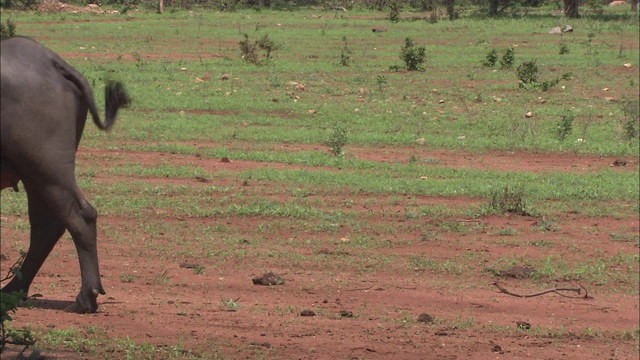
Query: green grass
x,y
348,214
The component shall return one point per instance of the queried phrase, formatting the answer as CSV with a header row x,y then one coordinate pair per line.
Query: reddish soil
x,y
165,301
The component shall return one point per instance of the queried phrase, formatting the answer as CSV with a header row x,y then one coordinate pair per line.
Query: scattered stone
x,y
198,80
567,28
426,318
496,349
556,30
225,160
268,279
627,65
307,313
528,115
619,162
224,77
421,141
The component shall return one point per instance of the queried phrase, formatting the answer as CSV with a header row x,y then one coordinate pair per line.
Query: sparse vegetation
x,y
444,178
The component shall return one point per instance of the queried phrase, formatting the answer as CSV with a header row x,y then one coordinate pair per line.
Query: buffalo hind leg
x,y
83,231
46,230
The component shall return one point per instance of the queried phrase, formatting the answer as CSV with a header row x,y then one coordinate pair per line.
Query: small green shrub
x,y
413,56
508,59
249,50
527,73
345,55
491,59
564,127
564,48
394,14
508,200
336,141
381,81
631,122
8,31
9,302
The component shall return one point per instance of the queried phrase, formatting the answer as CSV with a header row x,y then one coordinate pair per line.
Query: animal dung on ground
x,y
346,313
426,318
268,279
307,313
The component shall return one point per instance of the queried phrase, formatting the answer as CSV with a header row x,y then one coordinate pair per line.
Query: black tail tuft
x,y
116,97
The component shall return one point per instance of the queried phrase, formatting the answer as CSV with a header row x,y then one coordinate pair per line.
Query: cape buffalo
x,y
43,110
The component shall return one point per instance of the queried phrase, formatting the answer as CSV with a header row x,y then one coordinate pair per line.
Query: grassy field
x,y
348,173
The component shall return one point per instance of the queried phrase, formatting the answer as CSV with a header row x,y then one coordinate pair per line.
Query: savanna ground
x,y
209,181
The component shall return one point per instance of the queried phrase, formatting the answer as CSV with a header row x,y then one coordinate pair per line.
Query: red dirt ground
x,y
472,318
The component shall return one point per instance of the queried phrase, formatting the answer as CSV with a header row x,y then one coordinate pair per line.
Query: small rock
x,y
528,115
556,30
619,162
224,77
496,348
523,325
225,160
420,141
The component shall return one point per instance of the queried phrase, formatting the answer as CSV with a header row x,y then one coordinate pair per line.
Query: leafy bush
x,y
9,31
413,56
491,59
564,48
527,73
631,111
507,59
336,141
564,127
345,55
508,200
250,50
8,304
394,14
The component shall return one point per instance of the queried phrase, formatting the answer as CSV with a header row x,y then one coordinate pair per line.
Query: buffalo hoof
x,y
86,302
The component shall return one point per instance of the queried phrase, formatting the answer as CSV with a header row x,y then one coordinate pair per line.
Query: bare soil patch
x,y
165,288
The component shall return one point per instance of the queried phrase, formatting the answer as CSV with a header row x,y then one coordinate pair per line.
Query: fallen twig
x,y
578,290
359,289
